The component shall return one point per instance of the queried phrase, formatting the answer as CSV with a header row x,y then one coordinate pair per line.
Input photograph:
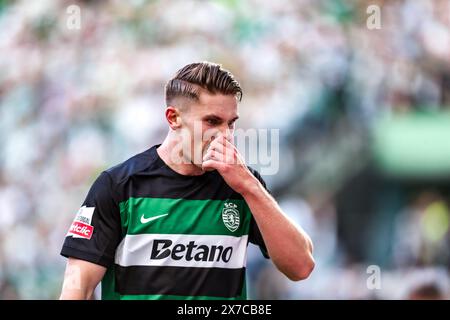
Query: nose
x,y
227,133
222,131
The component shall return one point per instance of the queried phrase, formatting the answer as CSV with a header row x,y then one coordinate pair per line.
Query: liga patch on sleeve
x,y
82,224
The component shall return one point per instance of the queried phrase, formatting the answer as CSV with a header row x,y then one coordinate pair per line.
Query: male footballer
x,y
174,221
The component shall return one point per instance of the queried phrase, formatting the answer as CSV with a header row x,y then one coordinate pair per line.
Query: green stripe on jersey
x,y
181,216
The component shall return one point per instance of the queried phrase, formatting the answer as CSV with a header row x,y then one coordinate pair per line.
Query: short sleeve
x,y
255,236
96,230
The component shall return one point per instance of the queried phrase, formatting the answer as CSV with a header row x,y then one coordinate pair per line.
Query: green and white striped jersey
x,y
163,235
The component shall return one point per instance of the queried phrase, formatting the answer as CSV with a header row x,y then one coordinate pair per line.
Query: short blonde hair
x,y
207,75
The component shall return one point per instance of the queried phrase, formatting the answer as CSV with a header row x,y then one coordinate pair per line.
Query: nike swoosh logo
x,y
147,220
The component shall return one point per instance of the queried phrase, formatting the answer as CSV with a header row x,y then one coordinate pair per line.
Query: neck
x,y
166,150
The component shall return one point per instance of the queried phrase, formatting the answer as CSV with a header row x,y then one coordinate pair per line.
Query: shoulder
x,y
137,163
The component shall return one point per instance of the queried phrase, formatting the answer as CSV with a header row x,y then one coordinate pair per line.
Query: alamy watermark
x,y
374,19
259,147
373,282
73,21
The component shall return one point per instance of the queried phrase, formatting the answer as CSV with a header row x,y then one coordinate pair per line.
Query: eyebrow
x,y
213,116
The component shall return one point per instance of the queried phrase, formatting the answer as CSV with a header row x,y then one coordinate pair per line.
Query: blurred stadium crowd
x,y
74,102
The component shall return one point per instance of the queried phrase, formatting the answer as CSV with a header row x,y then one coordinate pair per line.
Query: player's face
x,y
211,116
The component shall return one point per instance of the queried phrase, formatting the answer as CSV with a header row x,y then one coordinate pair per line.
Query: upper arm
x,y
80,279
92,240
96,230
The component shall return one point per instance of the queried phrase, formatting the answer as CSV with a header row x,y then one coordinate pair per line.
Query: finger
x,y
212,165
229,144
219,140
215,155
232,153
229,137
222,154
224,146
208,155
217,146
229,151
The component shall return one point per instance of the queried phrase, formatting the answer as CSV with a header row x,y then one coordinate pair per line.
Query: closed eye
x,y
213,122
217,121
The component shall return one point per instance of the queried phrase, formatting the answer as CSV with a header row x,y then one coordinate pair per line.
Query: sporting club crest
x,y
230,216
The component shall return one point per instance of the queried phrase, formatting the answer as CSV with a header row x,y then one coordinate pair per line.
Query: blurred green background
x,y
364,120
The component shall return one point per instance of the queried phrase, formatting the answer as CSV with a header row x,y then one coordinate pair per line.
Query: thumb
x,y
210,165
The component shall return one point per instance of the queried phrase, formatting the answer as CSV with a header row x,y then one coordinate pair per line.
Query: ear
x,y
173,117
